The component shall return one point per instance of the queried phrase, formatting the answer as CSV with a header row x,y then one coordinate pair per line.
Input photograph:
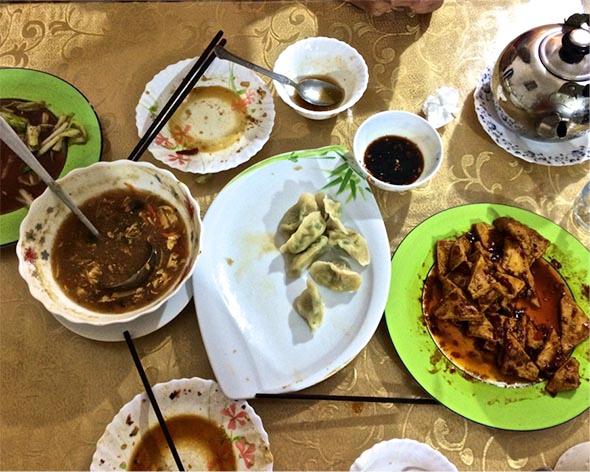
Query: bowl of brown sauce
x,y
326,59
397,150
150,228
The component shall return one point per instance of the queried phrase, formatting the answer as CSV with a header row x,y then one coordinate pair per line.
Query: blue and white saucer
x,y
563,153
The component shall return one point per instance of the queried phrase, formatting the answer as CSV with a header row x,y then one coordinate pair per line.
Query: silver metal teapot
x,y
540,82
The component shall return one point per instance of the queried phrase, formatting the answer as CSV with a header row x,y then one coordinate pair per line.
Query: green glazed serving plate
x,y
61,98
522,408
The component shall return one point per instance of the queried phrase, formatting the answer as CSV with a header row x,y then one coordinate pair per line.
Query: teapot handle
x,y
578,19
575,43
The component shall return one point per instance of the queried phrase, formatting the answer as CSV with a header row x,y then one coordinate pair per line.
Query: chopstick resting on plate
x,y
188,83
150,394
348,398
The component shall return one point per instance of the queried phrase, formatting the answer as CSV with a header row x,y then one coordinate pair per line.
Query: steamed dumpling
x,y
353,243
294,216
335,277
331,210
305,258
310,306
310,229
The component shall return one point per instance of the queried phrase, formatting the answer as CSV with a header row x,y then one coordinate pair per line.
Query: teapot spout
x,y
553,127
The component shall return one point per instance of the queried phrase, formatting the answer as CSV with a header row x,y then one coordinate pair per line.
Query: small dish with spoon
x,y
326,59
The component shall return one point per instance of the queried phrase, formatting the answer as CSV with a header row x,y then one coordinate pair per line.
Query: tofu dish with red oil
x,y
501,312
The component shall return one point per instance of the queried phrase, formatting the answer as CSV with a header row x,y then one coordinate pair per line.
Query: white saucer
x,y
398,455
575,458
563,153
138,327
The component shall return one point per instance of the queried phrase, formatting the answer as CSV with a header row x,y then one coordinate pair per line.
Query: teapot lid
x,y
565,51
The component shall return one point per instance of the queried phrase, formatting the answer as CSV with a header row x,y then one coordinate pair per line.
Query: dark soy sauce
x,y
338,97
394,160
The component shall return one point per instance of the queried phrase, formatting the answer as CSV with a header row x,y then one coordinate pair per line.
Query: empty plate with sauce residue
x,y
210,431
222,123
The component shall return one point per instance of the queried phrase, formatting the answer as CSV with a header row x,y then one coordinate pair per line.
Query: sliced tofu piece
x,y
533,243
515,361
484,233
575,326
509,285
448,286
515,327
455,308
566,378
458,253
534,336
443,249
461,276
513,260
552,348
482,329
480,282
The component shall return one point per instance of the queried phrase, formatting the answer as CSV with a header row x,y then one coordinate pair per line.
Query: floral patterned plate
x,y
255,341
538,152
193,396
223,122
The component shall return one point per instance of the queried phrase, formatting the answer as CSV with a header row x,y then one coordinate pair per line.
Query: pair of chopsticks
x,y
188,83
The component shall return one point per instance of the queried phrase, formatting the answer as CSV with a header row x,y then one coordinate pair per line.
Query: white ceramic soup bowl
x,y
325,57
409,126
46,214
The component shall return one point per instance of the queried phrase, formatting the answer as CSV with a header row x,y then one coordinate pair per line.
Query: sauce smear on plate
x,y
202,445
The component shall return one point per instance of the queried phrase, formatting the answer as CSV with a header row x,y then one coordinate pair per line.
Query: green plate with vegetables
x,y
59,126
522,407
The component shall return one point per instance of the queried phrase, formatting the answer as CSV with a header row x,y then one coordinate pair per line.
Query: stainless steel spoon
x,y
139,277
12,140
314,91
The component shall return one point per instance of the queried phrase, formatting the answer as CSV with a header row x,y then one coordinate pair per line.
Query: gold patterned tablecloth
x,y
58,391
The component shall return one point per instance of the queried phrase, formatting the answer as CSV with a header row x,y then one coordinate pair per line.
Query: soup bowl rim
x,y
104,318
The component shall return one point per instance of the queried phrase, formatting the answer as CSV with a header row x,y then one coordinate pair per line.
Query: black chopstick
x,y
348,398
187,84
148,390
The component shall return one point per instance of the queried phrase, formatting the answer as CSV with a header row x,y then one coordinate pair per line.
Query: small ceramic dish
x,y
181,397
399,455
326,57
409,126
39,228
223,122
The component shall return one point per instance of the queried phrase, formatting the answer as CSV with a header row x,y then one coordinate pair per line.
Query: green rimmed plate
x,y
517,408
60,97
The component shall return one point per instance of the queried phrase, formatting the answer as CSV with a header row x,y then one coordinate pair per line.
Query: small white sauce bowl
x,y
409,126
39,229
328,57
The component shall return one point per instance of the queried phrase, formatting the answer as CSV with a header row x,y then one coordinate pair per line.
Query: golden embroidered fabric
x,y
59,391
